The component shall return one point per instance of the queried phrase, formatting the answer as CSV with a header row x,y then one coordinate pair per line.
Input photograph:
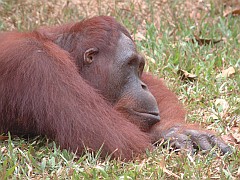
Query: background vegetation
x,y
179,40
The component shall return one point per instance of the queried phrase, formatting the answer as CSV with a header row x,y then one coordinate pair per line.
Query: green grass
x,y
165,29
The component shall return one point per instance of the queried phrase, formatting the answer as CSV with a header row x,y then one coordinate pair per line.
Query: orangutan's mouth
x,y
150,117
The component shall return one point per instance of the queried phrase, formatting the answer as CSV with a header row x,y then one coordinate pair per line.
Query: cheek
x,y
117,80
95,76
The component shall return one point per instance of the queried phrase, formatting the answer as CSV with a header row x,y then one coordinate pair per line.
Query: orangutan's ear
x,y
89,55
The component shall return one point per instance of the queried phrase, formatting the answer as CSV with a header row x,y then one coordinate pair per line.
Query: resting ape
x,y
83,85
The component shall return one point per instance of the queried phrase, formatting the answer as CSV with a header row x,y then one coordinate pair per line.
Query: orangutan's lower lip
x,y
149,116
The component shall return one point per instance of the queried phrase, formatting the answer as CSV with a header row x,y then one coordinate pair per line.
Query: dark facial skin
x,y
123,87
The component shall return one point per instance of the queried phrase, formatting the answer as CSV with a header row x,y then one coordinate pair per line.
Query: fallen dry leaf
x,y
3,138
139,36
222,106
235,12
233,136
4,150
228,138
202,41
184,75
226,73
232,139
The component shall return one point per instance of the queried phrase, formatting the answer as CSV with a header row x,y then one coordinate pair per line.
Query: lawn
x,y
193,45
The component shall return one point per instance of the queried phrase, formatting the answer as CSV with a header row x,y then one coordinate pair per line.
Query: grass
x,y
164,31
